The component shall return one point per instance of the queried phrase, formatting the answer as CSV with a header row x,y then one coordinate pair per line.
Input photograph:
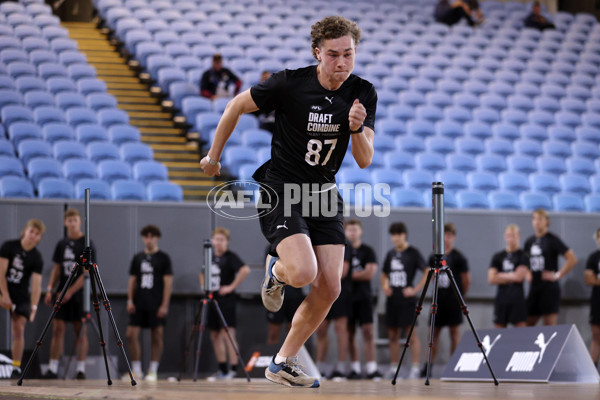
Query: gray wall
x,y
115,232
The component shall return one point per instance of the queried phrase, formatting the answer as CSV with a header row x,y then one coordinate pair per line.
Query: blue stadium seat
x,y
256,138
55,188
493,101
67,100
206,122
41,168
588,134
20,131
61,85
528,147
13,114
592,203
390,127
504,200
478,130
568,202
522,164
51,70
353,175
430,161
472,199
47,114
580,165
407,198
37,98
562,133
520,102
401,112
99,189
391,177
6,147
134,152
566,118
149,171
80,115
417,179
113,170
534,200
400,160
443,145
384,143
128,190
420,128
18,69
29,149
100,151
546,183
506,130
119,134
67,149
100,101
585,149
55,131
76,169
453,180
110,117
575,183
14,186
514,182
551,165
491,162
461,162
89,133
10,166
88,86
484,181
556,148
164,191
469,145
501,147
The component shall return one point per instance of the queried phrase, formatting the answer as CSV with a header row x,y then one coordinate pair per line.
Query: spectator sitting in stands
x,y
451,14
536,20
266,121
215,81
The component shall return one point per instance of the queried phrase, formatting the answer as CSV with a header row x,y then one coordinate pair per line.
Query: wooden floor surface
x,y
263,390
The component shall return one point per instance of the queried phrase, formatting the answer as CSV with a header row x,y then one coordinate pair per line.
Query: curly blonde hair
x,y
332,28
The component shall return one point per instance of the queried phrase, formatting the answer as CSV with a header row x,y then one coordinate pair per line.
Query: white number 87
x,y
314,147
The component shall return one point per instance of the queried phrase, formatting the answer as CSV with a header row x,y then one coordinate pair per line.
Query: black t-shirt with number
x,y
21,264
593,264
543,254
223,270
458,265
504,261
401,268
66,254
311,131
149,270
359,258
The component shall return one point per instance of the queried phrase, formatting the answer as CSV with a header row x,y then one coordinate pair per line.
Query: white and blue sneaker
x,y
272,289
290,373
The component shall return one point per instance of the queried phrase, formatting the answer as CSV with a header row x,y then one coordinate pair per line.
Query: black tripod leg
x,y
414,323
97,331
464,309
94,272
190,342
57,305
233,344
434,307
200,333
97,310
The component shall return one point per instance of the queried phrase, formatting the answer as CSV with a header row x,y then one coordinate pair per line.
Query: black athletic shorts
x,y
595,313
21,301
399,312
287,311
361,312
276,226
341,307
72,310
227,304
510,311
544,299
145,318
448,312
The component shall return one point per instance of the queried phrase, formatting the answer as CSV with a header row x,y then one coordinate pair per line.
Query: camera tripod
x,y
85,263
200,320
439,265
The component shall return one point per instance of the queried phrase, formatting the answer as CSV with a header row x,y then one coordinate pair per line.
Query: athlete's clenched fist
x,y
357,115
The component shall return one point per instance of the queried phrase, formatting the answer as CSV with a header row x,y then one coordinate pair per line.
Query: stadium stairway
x,y
156,125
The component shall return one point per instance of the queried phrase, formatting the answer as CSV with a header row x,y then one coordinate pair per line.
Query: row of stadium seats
x,y
58,188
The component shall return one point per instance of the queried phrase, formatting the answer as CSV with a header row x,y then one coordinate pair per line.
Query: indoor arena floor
x,y
263,390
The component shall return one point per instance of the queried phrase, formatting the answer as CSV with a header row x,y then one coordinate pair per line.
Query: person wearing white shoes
x,y
148,297
319,110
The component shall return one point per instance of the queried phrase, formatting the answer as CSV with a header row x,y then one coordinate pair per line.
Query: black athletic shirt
x,y
593,264
311,132
401,268
458,265
223,270
359,258
150,269
66,254
543,254
21,264
504,261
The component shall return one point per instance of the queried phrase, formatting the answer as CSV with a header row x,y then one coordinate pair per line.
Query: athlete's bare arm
x,y
240,104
